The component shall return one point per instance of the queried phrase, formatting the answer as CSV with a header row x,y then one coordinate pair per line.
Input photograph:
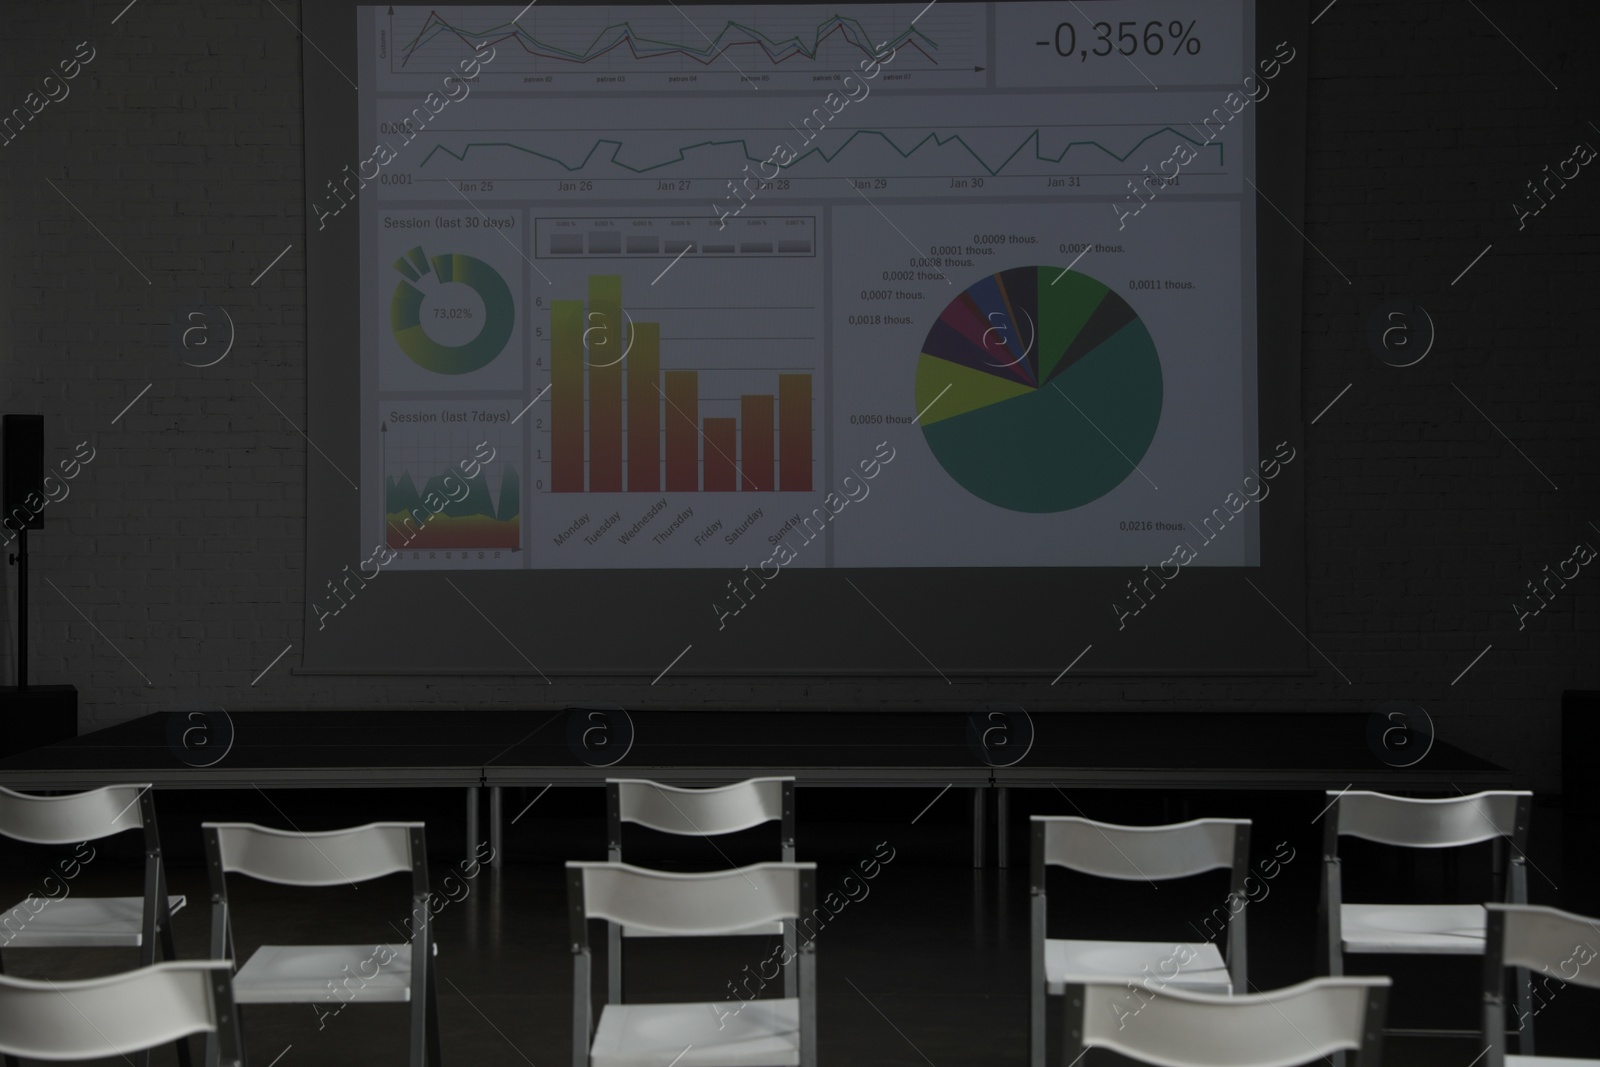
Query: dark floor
x,y
930,966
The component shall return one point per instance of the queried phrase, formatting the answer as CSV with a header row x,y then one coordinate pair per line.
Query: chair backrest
x,y
1141,853
1445,822
76,817
1146,853
1174,1028
723,809
120,1013
670,903
1558,943
327,857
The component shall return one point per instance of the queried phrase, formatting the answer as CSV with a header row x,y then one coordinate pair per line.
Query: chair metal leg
x,y
791,978
422,976
10,1061
472,819
1525,1011
435,1059
419,1032
238,1035
808,1007
582,1017
1494,1025
170,952
183,1053
1036,995
613,963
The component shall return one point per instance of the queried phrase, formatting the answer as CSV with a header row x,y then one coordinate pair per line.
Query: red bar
x,y
683,431
794,433
722,444
644,408
606,345
566,396
755,444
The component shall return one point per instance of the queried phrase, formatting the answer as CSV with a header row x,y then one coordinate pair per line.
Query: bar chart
x,y
622,421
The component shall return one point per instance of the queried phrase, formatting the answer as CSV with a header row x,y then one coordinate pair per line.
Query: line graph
x,y
733,35
680,39
966,146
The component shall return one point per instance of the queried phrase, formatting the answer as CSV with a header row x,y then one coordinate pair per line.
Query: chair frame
x,y
583,1021
1495,965
1370,1054
1236,954
157,913
614,824
424,1042
1512,889
219,994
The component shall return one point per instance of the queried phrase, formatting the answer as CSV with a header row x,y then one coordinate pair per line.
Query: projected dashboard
x,y
723,287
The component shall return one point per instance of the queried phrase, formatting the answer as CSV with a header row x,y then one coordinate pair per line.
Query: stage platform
x,y
1199,749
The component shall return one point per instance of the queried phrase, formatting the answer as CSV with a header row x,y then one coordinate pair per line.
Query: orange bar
x,y
722,443
644,408
683,431
755,444
794,433
566,396
606,345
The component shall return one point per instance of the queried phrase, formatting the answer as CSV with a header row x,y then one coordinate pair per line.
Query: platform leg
x,y
1002,805
496,824
979,825
472,820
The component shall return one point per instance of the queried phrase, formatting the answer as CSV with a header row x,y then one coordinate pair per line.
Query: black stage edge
x,y
37,716
1288,749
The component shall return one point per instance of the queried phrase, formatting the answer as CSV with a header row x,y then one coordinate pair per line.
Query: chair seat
x,y
772,929
1548,1061
301,974
1091,961
1426,929
80,922
764,1033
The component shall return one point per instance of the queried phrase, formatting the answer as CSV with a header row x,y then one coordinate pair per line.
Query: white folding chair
x,y
767,1032
1144,854
707,813
1560,944
315,974
70,921
117,1014
1300,1024
1419,929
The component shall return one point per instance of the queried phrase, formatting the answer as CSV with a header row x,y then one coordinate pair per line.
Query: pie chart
x,y
406,308
1040,389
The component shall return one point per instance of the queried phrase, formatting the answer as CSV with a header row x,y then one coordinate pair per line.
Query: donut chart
x,y
405,312
1040,389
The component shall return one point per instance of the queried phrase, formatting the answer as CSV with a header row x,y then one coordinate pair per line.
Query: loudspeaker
x,y
22,471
